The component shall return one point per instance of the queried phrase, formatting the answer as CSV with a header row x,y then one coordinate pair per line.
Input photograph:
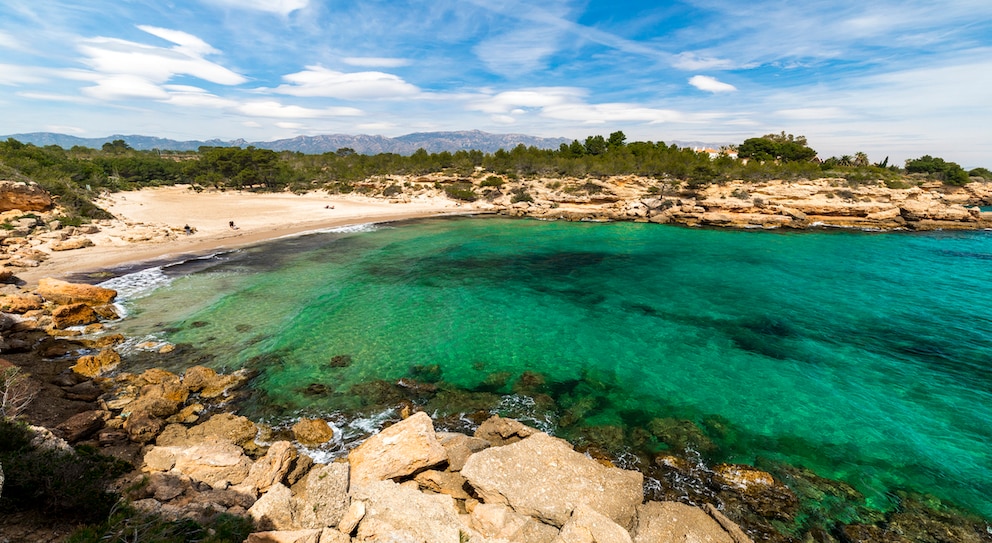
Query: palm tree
x,y
860,159
846,160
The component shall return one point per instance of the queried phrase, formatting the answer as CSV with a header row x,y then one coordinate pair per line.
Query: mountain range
x,y
432,142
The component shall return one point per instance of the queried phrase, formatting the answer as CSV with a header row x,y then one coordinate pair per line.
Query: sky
x,y
890,78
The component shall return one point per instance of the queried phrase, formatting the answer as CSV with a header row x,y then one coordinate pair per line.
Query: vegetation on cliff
x,y
79,174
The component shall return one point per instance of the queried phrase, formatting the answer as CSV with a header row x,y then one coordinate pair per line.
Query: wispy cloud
x,y
127,69
273,109
281,7
317,81
376,62
710,84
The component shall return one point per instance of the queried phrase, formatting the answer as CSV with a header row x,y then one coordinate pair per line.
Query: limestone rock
x,y
271,468
443,482
143,428
500,431
78,314
351,518
588,526
311,432
69,245
94,365
208,461
273,511
209,383
459,447
323,498
23,196
81,425
545,478
673,522
399,450
20,303
398,513
497,521
62,292
234,428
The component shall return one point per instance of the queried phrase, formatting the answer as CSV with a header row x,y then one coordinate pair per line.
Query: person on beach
x,y
231,224
188,230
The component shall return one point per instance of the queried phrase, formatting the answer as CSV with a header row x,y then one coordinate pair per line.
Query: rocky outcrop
x,y
63,293
23,197
395,512
671,522
312,432
399,450
543,477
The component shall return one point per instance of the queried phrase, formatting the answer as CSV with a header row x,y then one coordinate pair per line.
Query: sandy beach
x,y
258,217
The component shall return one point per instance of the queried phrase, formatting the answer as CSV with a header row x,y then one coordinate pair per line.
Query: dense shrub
x,y
55,482
461,191
126,525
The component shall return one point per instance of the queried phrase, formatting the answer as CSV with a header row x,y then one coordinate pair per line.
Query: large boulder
x,y
274,510
398,513
81,425
312,432
270,469
588,526
210,384
62,292
671,522
500,431
78,314
212,462
322,499
543,477
497,521
459,447
94,365
23,196
20,303
402,449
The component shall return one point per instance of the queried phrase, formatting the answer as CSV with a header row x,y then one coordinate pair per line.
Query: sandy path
x,y
259,217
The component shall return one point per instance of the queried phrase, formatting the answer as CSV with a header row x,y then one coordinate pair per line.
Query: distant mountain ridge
x,y
432,142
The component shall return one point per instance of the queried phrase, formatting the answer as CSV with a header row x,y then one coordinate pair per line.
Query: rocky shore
x,y
506,482
498,480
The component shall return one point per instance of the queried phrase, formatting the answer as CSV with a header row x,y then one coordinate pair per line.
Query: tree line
x,y
79,174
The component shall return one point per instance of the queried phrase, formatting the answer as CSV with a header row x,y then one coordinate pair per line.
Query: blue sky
x,y
890,78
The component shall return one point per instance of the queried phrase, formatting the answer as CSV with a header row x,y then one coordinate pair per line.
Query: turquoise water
x,y
864,357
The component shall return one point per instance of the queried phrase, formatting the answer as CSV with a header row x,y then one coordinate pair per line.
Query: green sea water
x,y
864,357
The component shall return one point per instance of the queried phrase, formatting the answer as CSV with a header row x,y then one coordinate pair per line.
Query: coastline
x,y
215,236
159,215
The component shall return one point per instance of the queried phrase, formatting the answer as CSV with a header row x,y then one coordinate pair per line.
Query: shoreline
x,y
159,214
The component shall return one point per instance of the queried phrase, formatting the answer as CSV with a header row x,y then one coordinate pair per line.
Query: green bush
x,y
55,482
392,190
520,195
492,181
126,525
461,191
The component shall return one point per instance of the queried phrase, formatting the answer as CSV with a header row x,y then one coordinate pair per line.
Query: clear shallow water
x,y
864,357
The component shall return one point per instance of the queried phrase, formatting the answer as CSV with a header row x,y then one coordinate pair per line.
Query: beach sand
x,y
258,216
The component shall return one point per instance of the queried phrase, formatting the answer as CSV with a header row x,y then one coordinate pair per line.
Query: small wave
x,y
138,284
348,229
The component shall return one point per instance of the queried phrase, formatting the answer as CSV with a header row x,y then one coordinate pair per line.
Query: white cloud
x,y
541,97
710,84
114,87
611,112
11,74
155,64
289,125
252,124
274,109
503,119
187,43
376,62
376,126
282,7
692,62
317,81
